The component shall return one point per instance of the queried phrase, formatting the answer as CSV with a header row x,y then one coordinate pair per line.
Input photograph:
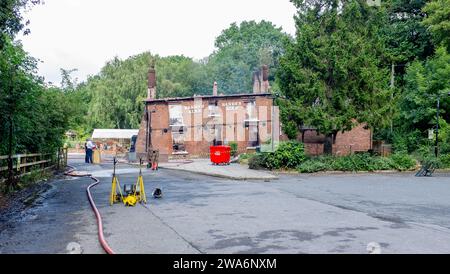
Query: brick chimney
x,y
215,89
265,86
151,92
256,83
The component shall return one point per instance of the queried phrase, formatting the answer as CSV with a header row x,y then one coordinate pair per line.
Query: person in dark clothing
x,y
89,151
86,157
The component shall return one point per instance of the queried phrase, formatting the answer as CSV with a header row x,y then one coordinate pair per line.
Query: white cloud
x,y
84,34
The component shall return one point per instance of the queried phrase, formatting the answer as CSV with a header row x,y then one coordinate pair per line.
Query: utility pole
x,y
436,145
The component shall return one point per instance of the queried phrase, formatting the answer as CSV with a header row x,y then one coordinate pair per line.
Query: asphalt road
x,y
201,214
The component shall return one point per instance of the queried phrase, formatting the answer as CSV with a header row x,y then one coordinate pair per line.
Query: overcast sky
x,y
84,34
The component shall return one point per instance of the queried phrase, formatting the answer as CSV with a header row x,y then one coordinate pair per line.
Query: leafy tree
x,y
115,96
242,49
11,19
68,84
77,100
406,38
32,116
180,76
35,116
425,81
332,74
438,21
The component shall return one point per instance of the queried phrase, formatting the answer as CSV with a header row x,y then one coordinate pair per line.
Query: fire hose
x,y
101,237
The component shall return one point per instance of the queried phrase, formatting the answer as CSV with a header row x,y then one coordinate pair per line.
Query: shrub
x,y
291,130
403,162
357,162
258,161
403,142
445,161
288,155
245,158
382,163
234,148
312,165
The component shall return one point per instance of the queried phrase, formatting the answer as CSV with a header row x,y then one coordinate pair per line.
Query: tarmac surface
x,y
232,171
203,214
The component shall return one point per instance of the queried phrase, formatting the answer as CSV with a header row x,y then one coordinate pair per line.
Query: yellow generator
x,y
132,194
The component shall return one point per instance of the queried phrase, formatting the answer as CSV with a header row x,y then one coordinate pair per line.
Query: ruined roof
x,y
208,97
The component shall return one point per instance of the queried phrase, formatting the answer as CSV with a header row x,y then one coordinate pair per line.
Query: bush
x,y
357,162
245,158
407,142
312,165
258,161
291,130
234,148
403,162
444,161
291,155
288,155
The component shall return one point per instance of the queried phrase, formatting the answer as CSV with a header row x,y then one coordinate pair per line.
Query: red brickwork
x,y
359,139
199,124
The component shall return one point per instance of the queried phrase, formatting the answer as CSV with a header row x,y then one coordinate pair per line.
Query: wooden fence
x,y
25,164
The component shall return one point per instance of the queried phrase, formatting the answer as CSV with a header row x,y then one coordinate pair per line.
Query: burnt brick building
x,y
187,127
359,139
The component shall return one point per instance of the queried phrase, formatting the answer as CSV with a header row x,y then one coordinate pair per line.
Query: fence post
x,y
57,159
66,152
10,182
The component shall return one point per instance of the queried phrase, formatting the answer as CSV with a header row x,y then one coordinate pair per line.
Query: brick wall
x,y
161,140
358,139
199,135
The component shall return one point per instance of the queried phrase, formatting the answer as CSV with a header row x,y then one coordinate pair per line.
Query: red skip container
x,y
220,154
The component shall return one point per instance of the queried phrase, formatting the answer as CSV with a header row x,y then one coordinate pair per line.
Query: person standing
x,y
89,151
86,158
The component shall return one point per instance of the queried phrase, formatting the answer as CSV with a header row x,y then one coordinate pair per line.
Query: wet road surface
x,y
201,214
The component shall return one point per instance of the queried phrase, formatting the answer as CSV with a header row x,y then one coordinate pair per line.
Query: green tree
x,y
242,49
406,38
116,95
11,19
424,82
77,100
438,21
34,115
332,75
